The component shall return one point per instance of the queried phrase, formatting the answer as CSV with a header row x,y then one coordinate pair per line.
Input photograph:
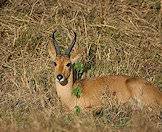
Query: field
x,y
118,36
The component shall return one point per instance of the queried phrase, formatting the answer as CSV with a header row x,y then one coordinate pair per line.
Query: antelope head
x,y
62,62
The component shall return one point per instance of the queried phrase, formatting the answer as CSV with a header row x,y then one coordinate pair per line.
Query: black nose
x,y
59,77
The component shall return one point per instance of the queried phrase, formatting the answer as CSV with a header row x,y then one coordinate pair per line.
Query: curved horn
x,y
57,47
67,52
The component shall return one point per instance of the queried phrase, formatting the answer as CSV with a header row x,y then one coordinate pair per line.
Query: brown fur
x,y
124,88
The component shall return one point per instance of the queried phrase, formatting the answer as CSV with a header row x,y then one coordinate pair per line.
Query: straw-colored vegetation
x,y
120,37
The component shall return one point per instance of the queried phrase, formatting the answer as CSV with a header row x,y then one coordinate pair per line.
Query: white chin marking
x,y
62,80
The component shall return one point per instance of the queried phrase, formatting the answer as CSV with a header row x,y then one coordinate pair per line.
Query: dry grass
x,y
121,37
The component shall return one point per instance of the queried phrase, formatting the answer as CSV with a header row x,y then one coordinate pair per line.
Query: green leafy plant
x,y
77,109
77,91
79,68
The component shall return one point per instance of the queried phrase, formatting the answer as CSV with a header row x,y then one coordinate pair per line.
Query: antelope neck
x,y
64,91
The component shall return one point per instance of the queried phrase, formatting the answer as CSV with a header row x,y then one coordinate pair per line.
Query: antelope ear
x,y
52,51
74,59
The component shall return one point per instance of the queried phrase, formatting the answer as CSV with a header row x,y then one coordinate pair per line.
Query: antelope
x,y
124,88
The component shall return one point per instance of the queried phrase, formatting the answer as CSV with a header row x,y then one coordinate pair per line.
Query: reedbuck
x,y
124,88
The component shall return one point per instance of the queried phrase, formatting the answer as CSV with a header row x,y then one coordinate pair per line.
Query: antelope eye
x,y
68,64
53,63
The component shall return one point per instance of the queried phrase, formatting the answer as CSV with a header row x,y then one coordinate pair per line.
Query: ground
x,y
120,37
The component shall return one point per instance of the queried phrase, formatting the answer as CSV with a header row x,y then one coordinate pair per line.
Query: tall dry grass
x,y
121,37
